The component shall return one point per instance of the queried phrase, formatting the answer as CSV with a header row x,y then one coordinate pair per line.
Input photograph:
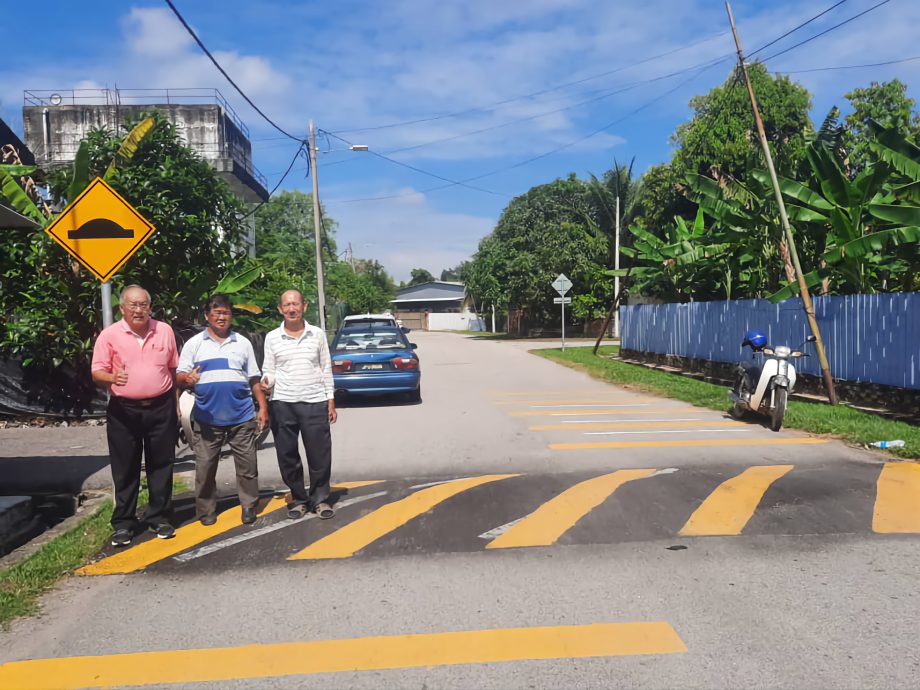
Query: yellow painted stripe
x,y
600,426
897,499
149,552
571,412
728,509
696,442
580,401
356,535
555,517
186,666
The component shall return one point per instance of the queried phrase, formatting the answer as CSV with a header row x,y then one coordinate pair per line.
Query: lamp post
x,y
317,228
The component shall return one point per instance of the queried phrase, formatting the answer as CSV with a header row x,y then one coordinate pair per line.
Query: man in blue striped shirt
x,y
220,366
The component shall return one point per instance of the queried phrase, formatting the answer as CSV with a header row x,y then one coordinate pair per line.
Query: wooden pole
x,y
787,231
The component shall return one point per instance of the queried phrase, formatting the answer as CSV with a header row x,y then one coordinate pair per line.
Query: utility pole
x,y
790,241
320,288
616,264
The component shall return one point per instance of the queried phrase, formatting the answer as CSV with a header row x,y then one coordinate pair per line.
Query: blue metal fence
x,y
868,338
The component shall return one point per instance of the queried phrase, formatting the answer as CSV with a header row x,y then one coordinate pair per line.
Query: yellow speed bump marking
x,y
625,409
149,552
601,426
555,517
186,666
695,442
897,499
356,535
727,509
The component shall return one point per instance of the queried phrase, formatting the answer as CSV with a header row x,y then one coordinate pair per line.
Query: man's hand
x,y
333,415
193,377
262,420
120,377
266,384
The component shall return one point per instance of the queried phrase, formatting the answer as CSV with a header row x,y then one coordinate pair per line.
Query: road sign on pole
x,y
100,230
562,300
562,284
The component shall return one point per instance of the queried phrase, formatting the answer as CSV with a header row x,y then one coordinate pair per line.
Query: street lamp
x,y
320,287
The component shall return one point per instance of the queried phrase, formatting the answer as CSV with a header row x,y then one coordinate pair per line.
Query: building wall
x,y
465,321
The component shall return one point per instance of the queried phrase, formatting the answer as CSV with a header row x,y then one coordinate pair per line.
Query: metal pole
x,y
493,318
320,288
616,265
563,323
790,241
106,305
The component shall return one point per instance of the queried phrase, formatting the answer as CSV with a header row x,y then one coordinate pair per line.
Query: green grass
x,y
22,584
841,421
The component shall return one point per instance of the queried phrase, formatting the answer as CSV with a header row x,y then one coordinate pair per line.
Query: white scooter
x,y
765,387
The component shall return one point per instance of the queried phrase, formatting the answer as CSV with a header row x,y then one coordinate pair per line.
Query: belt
x,y
142,402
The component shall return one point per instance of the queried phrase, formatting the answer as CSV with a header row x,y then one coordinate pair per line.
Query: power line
x,y
802,25
300,150
492,106
826,31
227,76
841,67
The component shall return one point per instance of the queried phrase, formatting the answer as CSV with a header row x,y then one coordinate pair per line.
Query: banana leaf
x,y
18,170
792,289
895,149
835,186
900,215
251,308
129,146
801,193
909,191
80,177
234,282
17,199
873,243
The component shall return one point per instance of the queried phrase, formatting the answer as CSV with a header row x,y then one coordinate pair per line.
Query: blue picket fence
x,y
868,338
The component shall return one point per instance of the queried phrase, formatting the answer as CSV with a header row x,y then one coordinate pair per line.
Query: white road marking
x,y
492,533
442,481
618,421
666,431
211,548
666,470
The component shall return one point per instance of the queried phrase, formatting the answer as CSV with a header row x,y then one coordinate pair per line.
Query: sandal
x,y
297,512
324,511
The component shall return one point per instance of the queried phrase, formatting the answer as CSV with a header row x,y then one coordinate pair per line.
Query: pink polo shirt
x,y
149,363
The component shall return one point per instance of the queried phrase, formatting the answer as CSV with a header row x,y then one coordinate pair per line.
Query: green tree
x,y
721,138
457,274
419,276
886,103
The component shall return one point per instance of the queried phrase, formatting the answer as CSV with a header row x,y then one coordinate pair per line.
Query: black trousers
x,y
134,429
309,421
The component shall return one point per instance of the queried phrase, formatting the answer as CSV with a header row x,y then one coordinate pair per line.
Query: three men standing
x,y
298,369
136,359
220,366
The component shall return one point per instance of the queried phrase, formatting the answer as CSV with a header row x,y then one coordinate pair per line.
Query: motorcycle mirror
x,y
810,339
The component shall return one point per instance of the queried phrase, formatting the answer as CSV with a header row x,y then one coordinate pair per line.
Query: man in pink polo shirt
x,y
136,359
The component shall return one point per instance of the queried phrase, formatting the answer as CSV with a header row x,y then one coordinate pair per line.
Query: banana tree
x,y
870,225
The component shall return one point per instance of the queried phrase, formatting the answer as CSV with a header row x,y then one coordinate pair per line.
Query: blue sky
x,y
356,64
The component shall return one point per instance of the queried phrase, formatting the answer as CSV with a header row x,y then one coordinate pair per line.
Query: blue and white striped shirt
x,y
223,395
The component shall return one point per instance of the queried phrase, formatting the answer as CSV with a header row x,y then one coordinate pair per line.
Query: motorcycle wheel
x,y
737,410
779,409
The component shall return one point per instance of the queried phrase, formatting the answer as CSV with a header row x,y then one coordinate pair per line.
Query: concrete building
x,y
54,123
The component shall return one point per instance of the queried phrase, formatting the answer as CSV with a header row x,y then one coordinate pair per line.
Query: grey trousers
x,y
207,443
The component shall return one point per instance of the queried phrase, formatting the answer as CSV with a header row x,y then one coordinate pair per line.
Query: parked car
x,y
374,358
381,319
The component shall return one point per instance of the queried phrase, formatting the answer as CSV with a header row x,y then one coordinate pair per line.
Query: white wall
x,y
466,321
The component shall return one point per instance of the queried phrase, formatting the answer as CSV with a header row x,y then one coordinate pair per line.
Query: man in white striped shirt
x,y
298,371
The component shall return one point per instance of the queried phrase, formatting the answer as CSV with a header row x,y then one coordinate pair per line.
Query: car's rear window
x,y
369,337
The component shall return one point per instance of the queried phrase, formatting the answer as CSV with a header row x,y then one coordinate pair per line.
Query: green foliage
x,y
420,276
16,197
457,274
885,103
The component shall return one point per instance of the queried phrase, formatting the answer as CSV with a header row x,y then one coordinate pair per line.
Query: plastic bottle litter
x,y
888,444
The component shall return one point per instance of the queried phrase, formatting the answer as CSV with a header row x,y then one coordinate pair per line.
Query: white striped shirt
x,y
300,369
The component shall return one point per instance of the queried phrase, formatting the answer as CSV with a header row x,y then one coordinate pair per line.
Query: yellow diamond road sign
x,y
100,229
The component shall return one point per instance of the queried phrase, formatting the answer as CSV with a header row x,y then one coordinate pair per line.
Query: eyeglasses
x,y
136,306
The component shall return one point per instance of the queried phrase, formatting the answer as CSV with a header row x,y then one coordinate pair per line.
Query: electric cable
x,y
300,150
842,67
800,26
227,76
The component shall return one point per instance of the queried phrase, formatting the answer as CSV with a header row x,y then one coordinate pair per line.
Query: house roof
x,y
13,220
432,291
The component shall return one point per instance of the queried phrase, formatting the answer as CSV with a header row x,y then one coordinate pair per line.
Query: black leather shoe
x,y
249,516
208,520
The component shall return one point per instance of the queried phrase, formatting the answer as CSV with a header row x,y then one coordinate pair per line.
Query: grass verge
x,y
22,584
841,421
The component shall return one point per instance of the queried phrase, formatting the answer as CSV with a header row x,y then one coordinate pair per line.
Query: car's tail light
x,y
405,363
340,366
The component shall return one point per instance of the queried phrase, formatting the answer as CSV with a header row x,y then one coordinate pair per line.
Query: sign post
x,y
102,231
562,285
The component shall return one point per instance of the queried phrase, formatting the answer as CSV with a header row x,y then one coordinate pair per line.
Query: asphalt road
x,y
524,526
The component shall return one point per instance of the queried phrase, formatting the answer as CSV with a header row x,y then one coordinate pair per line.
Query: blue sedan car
x,y
373,358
